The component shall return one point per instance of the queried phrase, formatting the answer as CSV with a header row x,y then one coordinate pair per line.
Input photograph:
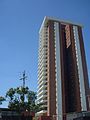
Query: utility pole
x,y
23,78
23,87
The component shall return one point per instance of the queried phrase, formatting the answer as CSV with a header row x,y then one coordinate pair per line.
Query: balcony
x,y
43,92
42,78
43,87
42,83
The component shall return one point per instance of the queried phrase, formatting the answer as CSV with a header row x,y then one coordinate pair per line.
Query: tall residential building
x,y
62,72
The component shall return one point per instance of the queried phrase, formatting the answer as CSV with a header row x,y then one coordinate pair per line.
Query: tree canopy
x,y
22,99
1,99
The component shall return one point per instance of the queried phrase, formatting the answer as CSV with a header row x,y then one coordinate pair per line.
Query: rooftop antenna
x,y
23,78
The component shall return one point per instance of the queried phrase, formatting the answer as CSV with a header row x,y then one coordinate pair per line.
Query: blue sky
x,y
20,21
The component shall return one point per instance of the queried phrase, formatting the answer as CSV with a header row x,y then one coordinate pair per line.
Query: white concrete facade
x,y
58,72
80,69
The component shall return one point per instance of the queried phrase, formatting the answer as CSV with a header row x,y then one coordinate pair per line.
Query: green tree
x,y
22,99
1,99
10,94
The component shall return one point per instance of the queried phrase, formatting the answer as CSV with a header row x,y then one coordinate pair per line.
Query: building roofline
x,y
46,18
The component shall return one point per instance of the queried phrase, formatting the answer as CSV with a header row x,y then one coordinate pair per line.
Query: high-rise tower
x,y
62,72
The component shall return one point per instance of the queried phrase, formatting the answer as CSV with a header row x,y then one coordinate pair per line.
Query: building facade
x,y
62,72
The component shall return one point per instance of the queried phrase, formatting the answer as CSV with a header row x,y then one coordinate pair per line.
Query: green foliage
x,y
22,99
10,93
1,99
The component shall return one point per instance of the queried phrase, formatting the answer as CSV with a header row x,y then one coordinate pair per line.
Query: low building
x,y
7,114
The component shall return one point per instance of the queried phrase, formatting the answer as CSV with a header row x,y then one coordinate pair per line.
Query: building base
x,y
78,116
